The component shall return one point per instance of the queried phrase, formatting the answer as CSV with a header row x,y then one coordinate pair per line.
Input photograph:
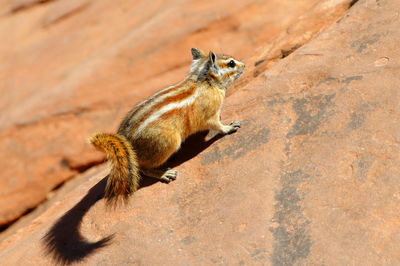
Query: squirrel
x,y
155,128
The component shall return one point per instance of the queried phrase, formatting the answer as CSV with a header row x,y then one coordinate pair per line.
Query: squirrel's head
x,y
220,69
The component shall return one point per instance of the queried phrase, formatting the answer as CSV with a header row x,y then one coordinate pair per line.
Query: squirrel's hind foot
x,y
166,176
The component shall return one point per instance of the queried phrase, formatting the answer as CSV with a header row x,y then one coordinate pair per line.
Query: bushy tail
x,y
124,176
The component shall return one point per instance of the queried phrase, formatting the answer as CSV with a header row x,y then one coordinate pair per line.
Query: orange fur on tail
x,y
124,176
157,126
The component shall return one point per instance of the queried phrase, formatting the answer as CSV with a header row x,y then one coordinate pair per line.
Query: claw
x,y
235,123
169,176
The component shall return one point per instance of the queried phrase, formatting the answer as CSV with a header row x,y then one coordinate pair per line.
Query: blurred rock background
x,y
311,178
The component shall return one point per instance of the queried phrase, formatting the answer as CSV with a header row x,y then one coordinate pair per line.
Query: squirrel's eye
x,y
231,64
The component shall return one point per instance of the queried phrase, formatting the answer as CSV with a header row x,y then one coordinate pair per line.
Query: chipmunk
x,y
155,128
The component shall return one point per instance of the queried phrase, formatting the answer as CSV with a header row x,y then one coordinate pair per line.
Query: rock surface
x,y
73,67
312,177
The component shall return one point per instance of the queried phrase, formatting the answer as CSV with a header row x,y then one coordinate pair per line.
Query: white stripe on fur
x,y
186,102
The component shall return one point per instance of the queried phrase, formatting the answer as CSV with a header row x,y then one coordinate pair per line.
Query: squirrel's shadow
x,y
65,243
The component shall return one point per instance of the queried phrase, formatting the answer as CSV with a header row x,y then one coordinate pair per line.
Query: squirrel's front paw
x,y
234,126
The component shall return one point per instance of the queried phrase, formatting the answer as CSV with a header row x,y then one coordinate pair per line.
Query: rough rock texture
x,y
73,67
312,177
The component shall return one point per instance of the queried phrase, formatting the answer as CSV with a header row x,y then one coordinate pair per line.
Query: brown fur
x,y
154,129
124,176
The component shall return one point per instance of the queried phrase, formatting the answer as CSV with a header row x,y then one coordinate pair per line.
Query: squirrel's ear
x,y
211,56
197,53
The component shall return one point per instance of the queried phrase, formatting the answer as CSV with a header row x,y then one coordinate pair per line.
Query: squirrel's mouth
x,y
239,73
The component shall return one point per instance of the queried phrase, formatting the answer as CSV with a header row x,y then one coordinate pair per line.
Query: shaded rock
x,y
12,6
64,9
73,67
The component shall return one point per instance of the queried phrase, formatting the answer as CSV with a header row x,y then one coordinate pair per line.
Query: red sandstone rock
x,y
311,178
73,67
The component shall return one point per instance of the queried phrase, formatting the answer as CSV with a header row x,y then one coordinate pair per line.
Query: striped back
x,y
206,70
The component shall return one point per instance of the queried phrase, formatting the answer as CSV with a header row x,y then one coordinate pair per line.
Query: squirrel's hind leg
x,y
166,175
